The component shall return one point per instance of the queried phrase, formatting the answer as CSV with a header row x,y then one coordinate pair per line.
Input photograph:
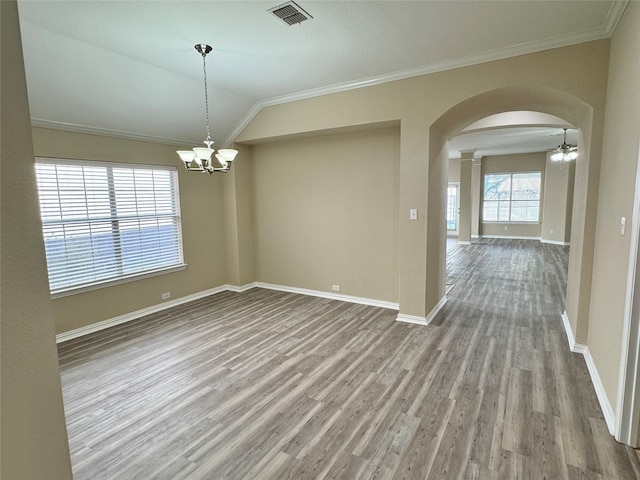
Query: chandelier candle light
x,y
565,152
201,156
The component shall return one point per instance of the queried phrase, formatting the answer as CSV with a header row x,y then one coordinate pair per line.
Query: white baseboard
x,y
607,409
434,311
605,405
241,288
464,242
554,242
573,346
403,317
127,317
330,295
509,237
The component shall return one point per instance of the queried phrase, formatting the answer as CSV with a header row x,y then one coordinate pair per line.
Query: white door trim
x,y
627,407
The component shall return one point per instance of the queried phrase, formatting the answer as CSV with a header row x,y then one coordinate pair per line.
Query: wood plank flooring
x,y
271,385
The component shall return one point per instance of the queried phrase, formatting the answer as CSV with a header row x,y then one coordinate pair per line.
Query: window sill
x,y
511,223
118,281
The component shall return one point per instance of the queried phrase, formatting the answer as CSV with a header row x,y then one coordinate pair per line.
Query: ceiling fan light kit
x,y
199,159
565,152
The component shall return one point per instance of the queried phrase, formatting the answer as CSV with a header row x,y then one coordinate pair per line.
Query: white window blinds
x,y
105,222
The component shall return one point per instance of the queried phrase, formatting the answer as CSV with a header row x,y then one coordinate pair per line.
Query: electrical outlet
x,y
551,232
166,295
335,288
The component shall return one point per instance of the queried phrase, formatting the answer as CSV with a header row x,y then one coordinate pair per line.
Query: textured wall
x,y
201,205
34,436
325,212
431,109
617,186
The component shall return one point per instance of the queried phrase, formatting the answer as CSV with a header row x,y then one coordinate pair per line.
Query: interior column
x,y
464,229
476,196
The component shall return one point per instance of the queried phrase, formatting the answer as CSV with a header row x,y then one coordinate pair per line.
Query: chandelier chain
x,y
206,94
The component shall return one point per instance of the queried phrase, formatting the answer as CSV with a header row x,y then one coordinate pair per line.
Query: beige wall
x,y
529,162
558,201
524,162
201,202
34,437
454,170
31,406
325,212
238,217
619,168
433,108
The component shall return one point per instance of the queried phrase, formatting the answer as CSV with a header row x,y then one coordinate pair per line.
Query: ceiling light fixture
x,y
201,156
565,152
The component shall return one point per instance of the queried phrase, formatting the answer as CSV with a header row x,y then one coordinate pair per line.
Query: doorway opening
x,y
453,209
503,186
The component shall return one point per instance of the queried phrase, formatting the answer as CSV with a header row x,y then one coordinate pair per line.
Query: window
x,y
452,207
105,222
511,197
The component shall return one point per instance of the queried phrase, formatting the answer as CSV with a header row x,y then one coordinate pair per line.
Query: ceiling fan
x,y
565,152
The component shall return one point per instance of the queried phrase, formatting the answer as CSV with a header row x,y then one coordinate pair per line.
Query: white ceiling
x,y
511,133
510,140
128,68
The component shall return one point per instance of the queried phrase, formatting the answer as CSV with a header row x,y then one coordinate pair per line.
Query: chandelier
x,y
565,152
199,159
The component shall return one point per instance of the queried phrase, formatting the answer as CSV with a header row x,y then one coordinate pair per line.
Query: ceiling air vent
x,y
290,13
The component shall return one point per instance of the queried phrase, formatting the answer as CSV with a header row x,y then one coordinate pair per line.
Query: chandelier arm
x,y
212,170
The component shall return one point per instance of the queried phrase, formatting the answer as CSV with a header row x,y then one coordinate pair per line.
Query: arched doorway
x,y
544,100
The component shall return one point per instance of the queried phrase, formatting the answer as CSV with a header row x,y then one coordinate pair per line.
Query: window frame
x,y
453,209
511,200
116,219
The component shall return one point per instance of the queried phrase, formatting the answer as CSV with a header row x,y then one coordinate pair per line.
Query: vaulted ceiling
x,y
129,69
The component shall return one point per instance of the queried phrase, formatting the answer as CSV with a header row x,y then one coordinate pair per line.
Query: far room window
x,y
452,207
105,223
511,197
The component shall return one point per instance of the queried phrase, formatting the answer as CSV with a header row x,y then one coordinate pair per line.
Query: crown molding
x,y
104,132
613,17
615,12
253,111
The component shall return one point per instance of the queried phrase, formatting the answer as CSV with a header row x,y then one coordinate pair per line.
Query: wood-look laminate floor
x,y
271,385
